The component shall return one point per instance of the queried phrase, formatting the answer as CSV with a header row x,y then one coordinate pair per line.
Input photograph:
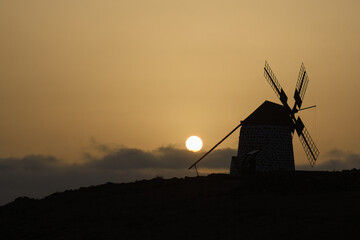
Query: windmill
x,y
265,141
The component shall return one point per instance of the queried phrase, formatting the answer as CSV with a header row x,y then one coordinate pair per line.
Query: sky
x,y
87,85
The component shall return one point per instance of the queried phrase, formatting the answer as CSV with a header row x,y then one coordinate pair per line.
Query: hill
x,y
284,205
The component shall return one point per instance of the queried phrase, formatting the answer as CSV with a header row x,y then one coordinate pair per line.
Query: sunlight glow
x,y
194,143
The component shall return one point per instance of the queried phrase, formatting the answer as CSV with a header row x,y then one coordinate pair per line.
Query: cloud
x,y
40,175
336,160
162,158
29,163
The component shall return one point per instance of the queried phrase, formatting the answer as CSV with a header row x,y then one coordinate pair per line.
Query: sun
x,y
194,143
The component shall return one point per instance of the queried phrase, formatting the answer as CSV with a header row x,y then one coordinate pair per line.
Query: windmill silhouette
x,y
265,141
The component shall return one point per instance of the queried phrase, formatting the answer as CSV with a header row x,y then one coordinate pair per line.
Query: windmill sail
x,y
274,83
301,86
308,144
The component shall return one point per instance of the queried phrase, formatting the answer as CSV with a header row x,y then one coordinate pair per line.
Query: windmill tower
x,y
267,132
265,142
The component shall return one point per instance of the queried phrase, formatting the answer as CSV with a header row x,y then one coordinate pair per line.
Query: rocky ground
x,y
296,205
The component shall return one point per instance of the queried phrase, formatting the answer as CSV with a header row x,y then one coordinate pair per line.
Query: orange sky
x,y
147,74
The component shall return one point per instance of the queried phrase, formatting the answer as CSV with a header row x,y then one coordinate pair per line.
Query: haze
x,y
148,74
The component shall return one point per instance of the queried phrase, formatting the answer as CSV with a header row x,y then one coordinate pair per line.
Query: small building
x,y
265,142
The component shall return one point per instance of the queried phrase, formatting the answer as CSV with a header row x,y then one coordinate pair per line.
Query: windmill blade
x,y
194,164
308,144
274,83
301,86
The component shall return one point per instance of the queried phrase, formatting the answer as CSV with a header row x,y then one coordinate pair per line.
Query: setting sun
x,y
194,143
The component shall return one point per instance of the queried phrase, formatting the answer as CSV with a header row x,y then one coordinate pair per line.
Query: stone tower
x,y
265,142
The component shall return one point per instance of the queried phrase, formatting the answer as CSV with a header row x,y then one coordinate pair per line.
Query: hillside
x,y
295,205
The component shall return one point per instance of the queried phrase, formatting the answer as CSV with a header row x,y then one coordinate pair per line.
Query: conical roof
x,y
269,113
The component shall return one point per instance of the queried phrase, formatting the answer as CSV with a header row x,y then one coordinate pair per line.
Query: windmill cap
x,y
269,113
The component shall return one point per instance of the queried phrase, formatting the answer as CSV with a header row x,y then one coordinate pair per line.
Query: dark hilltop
x,y
282,205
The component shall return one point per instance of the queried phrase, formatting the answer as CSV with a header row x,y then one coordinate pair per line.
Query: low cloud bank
x,y
336,160
161,158
38,175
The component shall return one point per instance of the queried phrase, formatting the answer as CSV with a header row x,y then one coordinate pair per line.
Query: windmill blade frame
x,y
307,142
301,86
274,83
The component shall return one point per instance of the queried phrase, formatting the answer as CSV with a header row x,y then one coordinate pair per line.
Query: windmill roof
x,y
269,113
